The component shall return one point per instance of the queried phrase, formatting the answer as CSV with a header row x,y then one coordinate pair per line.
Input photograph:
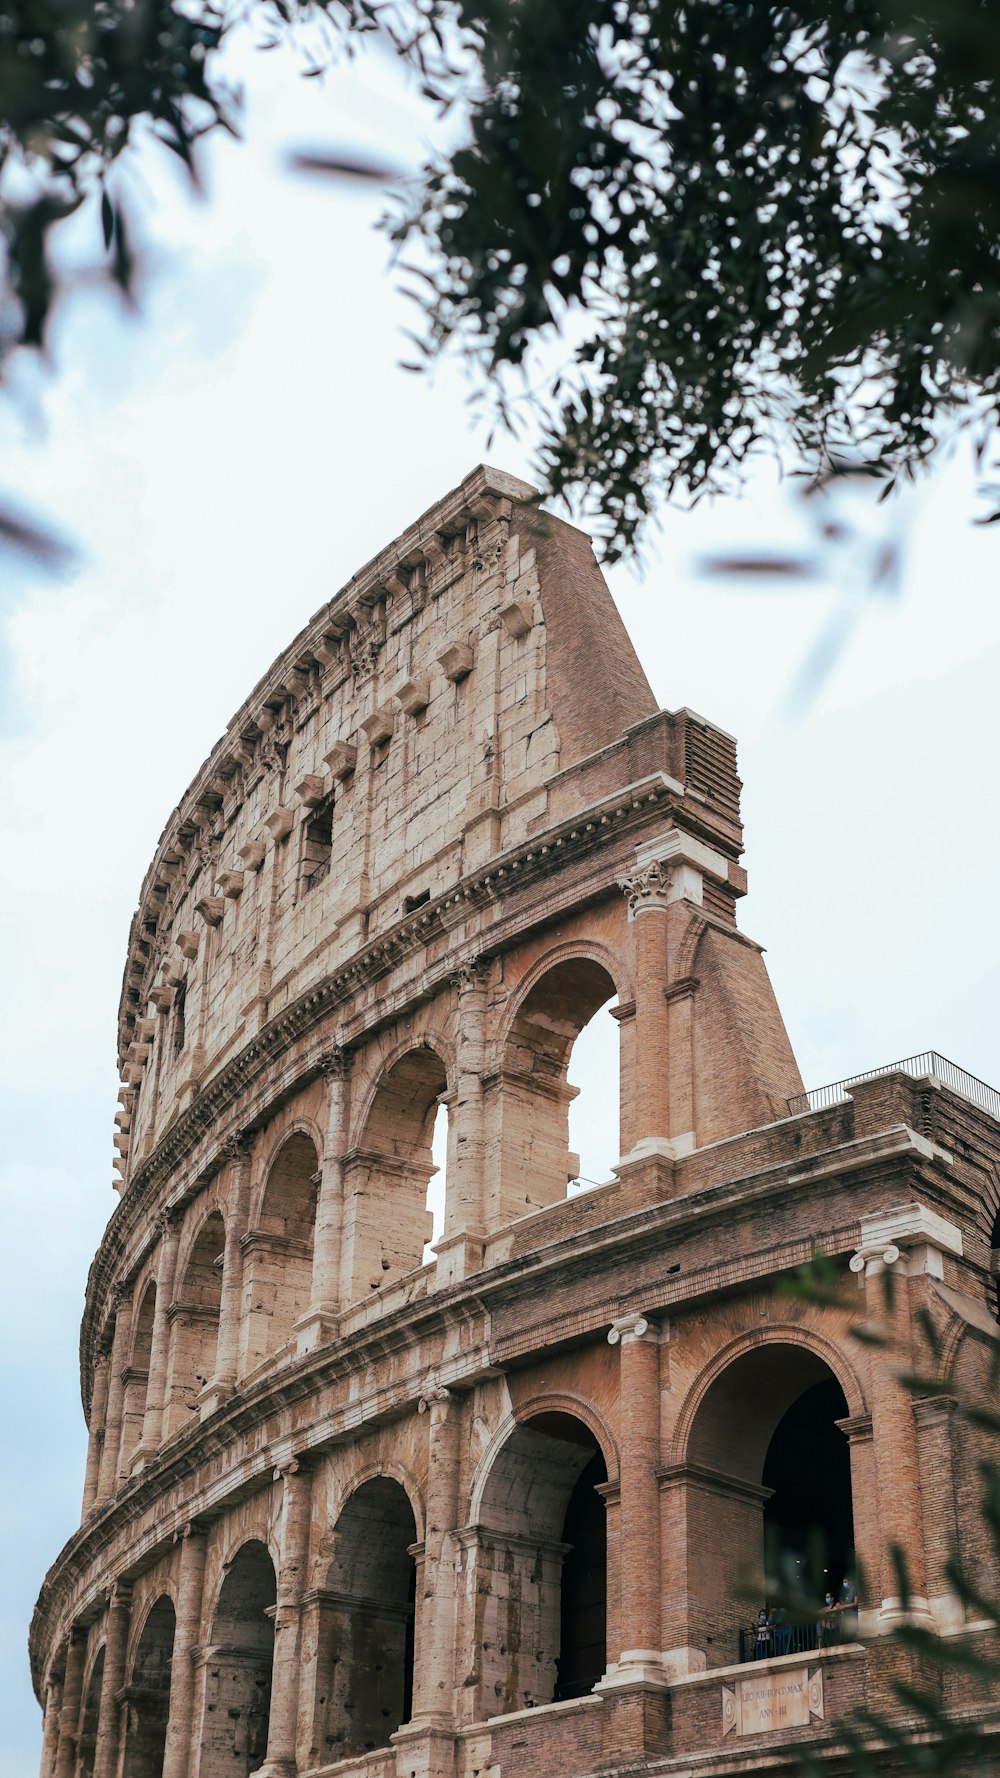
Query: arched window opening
x,y
386,1222
194,1333
808,1520
594,1117
768,1486
538,1163
278,1252
86,1746
148,1694
995,1265
366,1623
437,1188
540,1555
136,1377
238,1669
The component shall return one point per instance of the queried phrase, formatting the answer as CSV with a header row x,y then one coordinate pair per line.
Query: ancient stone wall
x,y
493,1507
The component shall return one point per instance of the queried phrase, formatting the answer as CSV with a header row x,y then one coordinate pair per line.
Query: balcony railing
x,y
928,1062
764,1642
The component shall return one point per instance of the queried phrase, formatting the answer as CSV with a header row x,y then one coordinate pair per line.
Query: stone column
x,y
187,1636
113,1680
239,1151
108,1474
640,1656
98,1421
169,1224
647,898
434,1666
319,1324
934,1417
72,1698
460,1250
279,1761
50,1730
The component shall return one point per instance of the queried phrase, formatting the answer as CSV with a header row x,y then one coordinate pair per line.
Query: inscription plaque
x,y
789,1699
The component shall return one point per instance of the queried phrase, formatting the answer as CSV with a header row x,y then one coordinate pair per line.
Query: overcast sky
x,y
224,463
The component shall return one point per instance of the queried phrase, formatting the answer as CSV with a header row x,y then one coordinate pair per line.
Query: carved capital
x,y
334,1063
438,1396
237,1145
168,1221
628,1329
646,888
469,974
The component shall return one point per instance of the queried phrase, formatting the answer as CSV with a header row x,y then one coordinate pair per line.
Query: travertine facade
x,y
486,1516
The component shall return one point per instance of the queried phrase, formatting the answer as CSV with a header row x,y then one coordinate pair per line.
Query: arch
x,y
538,1546
386,1174
568,950
194,1331
764,1474
365,1642
86,1743
431,1039
149,1692
559,996
136,1377
278,1250
238,1676
388,1468
552,1402
775,1334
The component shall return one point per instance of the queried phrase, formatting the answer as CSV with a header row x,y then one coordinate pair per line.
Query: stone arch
x,y
238,1672
763,1480
535,1555
90,1707
387,1172
550,1402
395,1472
365,1634
278,1249
137,1374
149,1691
557,998
194,1330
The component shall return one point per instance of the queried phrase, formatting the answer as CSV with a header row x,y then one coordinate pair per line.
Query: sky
x,y
223,462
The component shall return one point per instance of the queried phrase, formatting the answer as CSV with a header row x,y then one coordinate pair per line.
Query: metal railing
x,y
763,1643
928,1062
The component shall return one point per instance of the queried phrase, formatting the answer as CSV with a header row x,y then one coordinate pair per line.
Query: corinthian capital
x,y
647,886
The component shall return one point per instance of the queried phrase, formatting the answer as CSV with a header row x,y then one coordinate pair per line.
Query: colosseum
x,y
509,1503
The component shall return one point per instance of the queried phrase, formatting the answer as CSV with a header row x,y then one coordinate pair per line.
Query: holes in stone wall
x,y
238,1668
149,1694
367,1640
317,846
541,1632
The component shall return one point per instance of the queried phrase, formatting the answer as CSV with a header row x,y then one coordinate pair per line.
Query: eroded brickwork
x,y
491,1511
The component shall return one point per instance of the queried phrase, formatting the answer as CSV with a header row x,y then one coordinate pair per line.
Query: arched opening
x,y
540,1556
137,1375
278,1252
86,1746
149,1694
537,1161
386,1220
769,1503
238,1669
194,1333
365,1641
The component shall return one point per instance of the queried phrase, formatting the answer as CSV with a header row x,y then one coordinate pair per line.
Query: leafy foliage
x,y
733,222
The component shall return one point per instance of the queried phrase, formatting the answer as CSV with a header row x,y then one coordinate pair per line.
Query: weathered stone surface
x,y
485,1511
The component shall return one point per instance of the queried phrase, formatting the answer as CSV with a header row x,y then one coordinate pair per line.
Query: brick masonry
x,y
329,1485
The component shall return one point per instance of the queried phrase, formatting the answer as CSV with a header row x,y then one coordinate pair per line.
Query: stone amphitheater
x,y
503,1505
